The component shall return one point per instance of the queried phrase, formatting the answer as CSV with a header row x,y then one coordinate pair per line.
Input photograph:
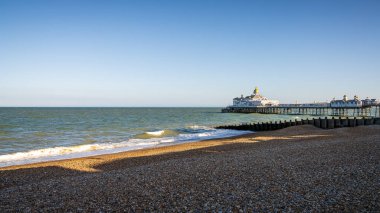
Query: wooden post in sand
x,y
324,123
377,121
351,122
345,122
311,121
285,124
331,123
360,121
317,122
265,126
258,127
369,121
337,122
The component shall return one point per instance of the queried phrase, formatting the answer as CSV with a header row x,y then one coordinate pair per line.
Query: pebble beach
x,y
297,169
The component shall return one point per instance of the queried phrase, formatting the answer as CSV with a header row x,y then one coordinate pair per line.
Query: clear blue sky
x,y
186,53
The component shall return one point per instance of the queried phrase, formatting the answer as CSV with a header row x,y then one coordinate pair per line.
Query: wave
x,y
200,127
157,134
145,140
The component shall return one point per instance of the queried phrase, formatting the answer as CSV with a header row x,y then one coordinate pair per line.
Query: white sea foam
x,y
156,133
62,152
200,127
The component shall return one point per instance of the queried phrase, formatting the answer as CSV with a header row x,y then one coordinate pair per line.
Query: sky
x,y
186,53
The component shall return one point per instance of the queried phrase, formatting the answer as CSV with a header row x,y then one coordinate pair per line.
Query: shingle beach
x,y
297,169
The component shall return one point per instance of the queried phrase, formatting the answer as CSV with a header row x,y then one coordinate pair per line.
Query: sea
x,y
29,135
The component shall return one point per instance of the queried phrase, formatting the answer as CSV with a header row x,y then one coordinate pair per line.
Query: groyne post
x,y
369,121
324,123
331,123
282,124
351,122
360,121
311,121
317,122
265,125
337,122
345,122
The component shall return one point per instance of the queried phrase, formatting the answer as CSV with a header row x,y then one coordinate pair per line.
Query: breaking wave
x,y
157,134
144,140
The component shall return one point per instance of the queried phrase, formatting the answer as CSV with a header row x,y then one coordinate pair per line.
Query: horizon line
x,y
111,107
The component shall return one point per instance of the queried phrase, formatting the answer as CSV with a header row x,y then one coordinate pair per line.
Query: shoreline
x,y
118,153
297,168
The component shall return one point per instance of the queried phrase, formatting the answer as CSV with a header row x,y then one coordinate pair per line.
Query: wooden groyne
x,y
324,123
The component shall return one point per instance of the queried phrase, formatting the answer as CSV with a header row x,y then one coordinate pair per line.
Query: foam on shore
x,y
145,140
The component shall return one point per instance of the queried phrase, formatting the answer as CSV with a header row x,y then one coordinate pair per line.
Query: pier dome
x,y
256,91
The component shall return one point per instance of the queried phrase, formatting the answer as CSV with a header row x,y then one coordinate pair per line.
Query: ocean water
x,y
30,135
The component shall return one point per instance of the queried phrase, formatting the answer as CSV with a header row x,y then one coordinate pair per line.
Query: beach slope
x,y
293,169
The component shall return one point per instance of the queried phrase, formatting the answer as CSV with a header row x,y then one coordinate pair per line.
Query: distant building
x,y
346,103
254,100
370,102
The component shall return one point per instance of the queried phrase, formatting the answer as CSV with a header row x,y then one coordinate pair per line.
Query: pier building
x,y
346,103
254,100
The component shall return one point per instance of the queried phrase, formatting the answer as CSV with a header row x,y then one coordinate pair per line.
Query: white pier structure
x,y
257,103
254,100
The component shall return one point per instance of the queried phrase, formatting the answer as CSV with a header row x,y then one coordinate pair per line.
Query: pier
x,y
300,109
256,103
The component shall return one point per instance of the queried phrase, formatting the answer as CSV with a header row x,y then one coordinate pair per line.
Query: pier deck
x,y
296,109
